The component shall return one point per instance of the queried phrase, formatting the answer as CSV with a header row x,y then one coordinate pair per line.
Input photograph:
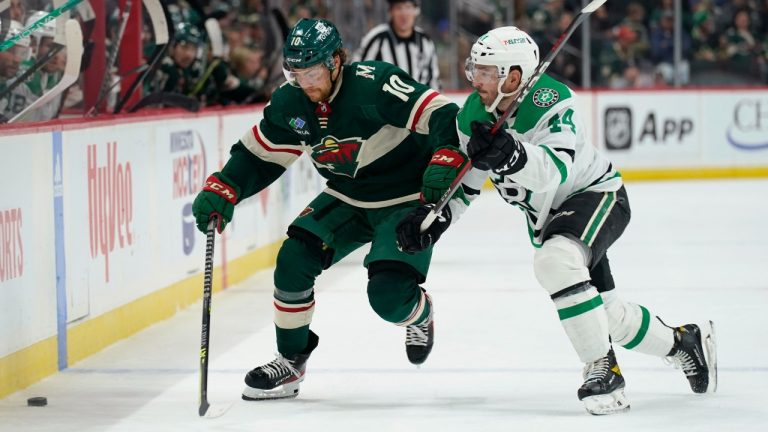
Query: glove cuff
x,y
449,156
214,183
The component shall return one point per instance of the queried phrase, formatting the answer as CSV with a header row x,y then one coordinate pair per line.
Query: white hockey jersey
x,y
561,160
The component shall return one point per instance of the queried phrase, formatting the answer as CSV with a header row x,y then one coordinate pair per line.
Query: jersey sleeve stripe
x,y
265,150
271,147
421,104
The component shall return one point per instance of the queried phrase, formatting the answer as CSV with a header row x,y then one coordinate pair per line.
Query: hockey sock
x,y
634,328
585,322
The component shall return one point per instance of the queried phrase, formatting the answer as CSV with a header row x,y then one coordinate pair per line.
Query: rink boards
x,y
97,240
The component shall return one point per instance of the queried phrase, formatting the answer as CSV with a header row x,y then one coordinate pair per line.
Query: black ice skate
x,y
695,352
279,378
603,388
420,338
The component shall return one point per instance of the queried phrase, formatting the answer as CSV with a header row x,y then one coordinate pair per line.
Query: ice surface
x,y
501,362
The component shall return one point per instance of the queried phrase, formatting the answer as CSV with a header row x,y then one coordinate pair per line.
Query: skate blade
x,y
709,342
612,403
216,410
286,391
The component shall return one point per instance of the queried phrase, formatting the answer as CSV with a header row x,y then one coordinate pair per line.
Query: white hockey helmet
x,y
505,48
48,29
14,29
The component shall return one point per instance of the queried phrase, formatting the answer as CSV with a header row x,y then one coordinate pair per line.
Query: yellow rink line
x,y
685,174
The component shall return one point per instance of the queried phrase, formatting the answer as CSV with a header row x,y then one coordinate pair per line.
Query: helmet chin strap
x,y
501,95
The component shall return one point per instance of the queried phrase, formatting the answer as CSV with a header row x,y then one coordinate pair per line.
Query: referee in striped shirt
x,y
403,44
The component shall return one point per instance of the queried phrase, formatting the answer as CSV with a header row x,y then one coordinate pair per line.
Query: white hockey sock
x,y
585,322
634,328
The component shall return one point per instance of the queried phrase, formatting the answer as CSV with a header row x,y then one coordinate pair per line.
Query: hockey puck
x,y
37,401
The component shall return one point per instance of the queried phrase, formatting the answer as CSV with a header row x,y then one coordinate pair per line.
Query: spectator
x,y
635,20
616,56
17,11
741,45
247,64
663,49
403,44
705,39
567,64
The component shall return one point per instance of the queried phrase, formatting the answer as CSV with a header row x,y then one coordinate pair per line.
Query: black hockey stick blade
x,y
168,99
456,184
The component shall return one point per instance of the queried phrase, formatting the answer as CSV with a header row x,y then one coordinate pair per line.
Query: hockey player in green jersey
x,y
371,131
576,206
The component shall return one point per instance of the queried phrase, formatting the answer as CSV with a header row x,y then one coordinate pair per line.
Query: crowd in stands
x,y
632,43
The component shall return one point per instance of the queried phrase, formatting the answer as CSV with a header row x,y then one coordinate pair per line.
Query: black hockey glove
x,y
409,238
501,152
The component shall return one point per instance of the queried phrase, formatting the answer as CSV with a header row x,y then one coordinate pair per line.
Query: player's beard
x,y
317,94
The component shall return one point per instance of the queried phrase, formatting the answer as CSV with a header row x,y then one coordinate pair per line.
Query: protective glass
x,y
486,75
305,77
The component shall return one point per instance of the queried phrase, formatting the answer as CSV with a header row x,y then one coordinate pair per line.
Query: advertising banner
x,y
108,183
27,260
650,129
736,126
185,154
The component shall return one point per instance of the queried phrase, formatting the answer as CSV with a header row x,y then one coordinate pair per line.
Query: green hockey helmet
x,y
188,33
310,42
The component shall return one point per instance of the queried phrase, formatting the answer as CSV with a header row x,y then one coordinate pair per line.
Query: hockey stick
x,y
32,69
217,49
456,184
205,409
175,100
162,35
71,71
38,24
120,79
105,81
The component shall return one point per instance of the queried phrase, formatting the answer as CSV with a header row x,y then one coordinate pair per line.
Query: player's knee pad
x,y
299,262
394,293
560,263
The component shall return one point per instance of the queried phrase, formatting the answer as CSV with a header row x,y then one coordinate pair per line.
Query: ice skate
x,y
695,352
420,338
280,378
603,388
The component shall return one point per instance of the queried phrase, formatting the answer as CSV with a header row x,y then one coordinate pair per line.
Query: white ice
x,y
693,251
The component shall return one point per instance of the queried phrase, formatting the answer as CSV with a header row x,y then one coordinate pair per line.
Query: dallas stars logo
x,y
339,156
545,97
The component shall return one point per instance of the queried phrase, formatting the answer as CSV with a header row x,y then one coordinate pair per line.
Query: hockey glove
x,y
409,238
218,196
499,152
440,173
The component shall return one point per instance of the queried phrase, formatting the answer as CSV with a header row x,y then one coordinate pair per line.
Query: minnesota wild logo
x,y
339,156
545,97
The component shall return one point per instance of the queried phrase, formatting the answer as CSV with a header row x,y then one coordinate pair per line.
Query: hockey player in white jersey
x,y
576,207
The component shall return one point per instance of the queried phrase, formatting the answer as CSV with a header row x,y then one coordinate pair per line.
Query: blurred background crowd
x,y
626,44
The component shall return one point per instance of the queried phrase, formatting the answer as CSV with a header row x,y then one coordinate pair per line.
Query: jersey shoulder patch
x,y
544,95
472,110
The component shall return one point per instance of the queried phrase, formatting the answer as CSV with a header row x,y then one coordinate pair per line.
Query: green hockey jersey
x,y
371,140
561,159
